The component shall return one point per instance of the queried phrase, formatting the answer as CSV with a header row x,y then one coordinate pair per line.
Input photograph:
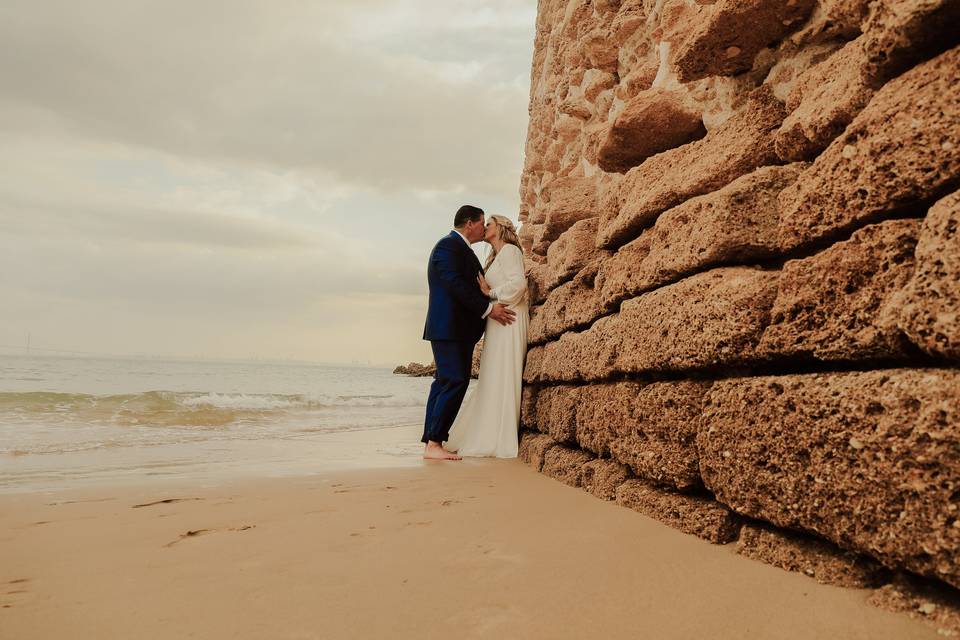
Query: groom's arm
x,y
444,261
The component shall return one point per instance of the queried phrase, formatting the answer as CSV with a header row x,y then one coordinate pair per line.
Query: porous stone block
x,y
528,407
572,199
573,305
897,35
572,251
533,447
656,432
900,150
824,100
735,224
710,319
602,478
935,603
556,412
726,39
695,515
526,235
742,144
832,20
651,428
565,464
930,305
651,122
538,276
868,460
837,305
824,562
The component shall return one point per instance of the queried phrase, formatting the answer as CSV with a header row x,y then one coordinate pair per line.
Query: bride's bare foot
x,y
433,451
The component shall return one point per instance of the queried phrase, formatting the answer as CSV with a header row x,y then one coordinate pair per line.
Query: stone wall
x,y
742,232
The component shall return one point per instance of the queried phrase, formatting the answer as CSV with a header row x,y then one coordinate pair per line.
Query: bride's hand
x,y
484,287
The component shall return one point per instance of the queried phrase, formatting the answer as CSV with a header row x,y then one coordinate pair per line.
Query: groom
x,y
455,320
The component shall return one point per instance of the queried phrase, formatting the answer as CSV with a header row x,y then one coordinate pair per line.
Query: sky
x,y
247,179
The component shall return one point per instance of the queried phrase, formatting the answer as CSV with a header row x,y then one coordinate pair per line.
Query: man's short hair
x,y
467,213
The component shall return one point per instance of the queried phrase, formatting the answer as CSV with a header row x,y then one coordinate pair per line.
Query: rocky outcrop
x,y
416,370
740,227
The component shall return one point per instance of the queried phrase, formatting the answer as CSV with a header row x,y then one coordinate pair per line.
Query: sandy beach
x,y
484,548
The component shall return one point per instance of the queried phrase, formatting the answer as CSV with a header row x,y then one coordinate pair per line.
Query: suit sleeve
x,y
514,290
444,262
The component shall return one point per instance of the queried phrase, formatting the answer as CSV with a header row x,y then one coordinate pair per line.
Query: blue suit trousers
x,y
453,359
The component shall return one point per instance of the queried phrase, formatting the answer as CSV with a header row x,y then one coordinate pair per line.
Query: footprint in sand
x,y
15,588
57,504
164,501
202,532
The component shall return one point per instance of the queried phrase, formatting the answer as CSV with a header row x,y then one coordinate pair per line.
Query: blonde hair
x,y
506,233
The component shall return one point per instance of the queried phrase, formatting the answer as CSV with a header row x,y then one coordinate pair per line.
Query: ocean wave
x,y
168,408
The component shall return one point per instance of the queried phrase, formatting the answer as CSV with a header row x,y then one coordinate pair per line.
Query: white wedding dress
x,y
488,420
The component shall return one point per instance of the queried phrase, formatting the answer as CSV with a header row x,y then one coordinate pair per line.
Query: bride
x,y
488,420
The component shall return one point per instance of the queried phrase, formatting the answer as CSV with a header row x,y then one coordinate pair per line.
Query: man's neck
x,y
460,233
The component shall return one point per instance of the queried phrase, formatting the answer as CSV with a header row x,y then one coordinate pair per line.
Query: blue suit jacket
x,y
456,303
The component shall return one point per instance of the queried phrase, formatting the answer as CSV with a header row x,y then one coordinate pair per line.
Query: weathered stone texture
x,y
934,603
930,311
668,241
823,102
566,464
533,448
602,478
556,413
897,35
651,428
702,517
710,319
868,460
651,122
900,151
570,306
727,39
833,19
571,252
836,305
538,275
572,199
822,561
665,180
735,224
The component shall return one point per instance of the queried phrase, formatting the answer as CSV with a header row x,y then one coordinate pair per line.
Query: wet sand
x,y
478,549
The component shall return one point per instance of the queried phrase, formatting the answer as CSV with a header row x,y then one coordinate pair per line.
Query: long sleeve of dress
x,y
514,290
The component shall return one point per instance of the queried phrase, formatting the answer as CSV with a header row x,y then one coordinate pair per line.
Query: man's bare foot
x,y
433,451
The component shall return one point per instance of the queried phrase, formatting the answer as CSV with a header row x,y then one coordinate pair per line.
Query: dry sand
x,y
467,550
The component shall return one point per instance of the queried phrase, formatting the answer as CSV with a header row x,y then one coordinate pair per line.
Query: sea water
x,y
66,420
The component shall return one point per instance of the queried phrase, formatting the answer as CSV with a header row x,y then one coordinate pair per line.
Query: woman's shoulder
x,y
513,249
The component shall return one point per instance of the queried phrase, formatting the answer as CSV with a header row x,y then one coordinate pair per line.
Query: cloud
x,y
289,87
227,179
